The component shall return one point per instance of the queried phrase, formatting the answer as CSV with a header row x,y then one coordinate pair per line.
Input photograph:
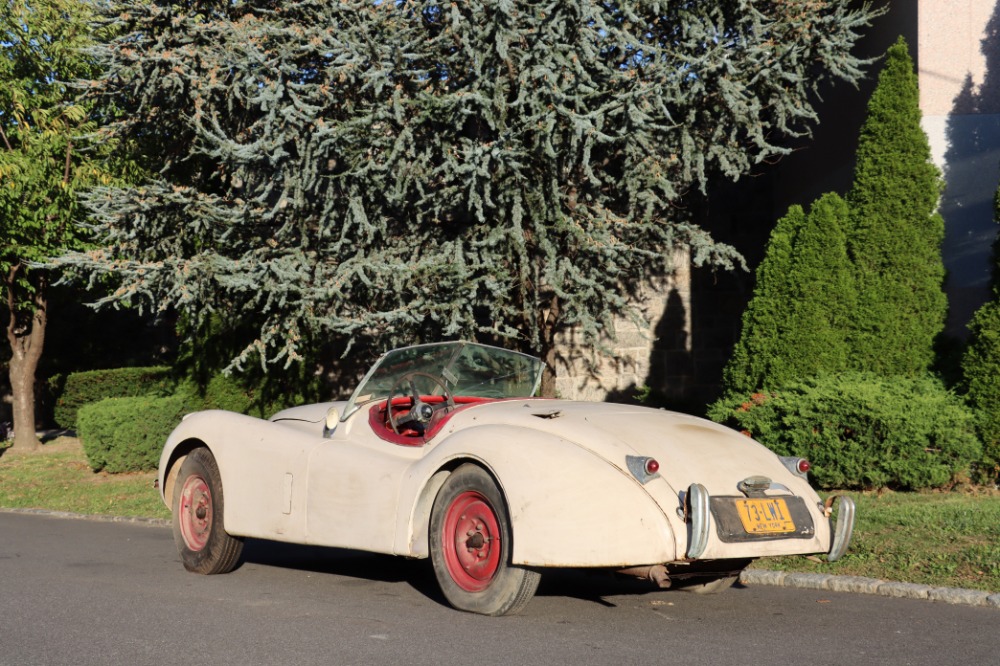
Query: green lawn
x,y
940,539
58,478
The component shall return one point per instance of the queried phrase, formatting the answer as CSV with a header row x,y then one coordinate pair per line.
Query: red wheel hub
x,y
195,512
471,540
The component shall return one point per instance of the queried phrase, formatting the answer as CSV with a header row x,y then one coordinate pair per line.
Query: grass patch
x,y
940,539
59,478
934,538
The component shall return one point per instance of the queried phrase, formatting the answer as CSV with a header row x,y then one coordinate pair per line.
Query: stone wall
x,y
657,355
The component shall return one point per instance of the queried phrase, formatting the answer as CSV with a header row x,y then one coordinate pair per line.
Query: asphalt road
x,y
83,592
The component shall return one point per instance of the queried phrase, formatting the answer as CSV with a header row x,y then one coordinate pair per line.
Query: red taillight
x,y
804,466
652,467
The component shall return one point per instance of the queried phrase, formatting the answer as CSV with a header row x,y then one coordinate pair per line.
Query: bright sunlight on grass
x,y
58,478
933,538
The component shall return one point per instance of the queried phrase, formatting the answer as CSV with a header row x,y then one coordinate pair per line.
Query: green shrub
x,y
794,326
863,431
128,434
981,366
234,395
896,232
82,388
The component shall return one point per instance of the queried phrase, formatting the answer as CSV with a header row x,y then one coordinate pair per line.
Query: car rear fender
x,y
568,506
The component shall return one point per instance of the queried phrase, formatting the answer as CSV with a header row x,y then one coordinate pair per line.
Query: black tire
x,y
199,527
470,544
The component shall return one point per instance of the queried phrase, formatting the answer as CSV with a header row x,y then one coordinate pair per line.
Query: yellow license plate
x,y
765,516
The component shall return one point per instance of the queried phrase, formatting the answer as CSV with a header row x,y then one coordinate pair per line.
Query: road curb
x,y
861,585
134,520
805,581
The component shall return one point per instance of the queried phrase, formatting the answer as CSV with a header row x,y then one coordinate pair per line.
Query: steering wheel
x,y
420,412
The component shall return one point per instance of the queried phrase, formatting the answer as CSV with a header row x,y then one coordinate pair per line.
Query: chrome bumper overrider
x,y
843,528
699,517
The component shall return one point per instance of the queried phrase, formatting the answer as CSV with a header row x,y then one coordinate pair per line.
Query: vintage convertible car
x,y
442,452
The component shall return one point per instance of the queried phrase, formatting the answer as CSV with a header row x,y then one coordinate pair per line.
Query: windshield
x,y
466,368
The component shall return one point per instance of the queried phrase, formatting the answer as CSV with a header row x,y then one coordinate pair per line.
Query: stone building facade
x,y
959,65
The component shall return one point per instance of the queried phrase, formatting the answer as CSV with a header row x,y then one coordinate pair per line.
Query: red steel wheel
x,y
471,541
195,512
199,517
470,544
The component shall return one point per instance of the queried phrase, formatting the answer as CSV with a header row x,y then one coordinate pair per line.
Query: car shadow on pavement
x,y
596,586
343,562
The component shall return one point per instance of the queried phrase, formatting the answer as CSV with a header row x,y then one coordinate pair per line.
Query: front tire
x,y
470,544
199,528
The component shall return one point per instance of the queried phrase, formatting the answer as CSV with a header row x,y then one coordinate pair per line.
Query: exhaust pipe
x,y
656,573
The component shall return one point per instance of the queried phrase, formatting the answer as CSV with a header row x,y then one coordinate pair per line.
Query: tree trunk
x,y
26,335
549,321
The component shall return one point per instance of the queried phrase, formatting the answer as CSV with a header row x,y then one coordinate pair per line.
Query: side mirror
x,y
332,419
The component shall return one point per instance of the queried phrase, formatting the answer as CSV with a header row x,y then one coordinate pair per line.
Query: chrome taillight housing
x,y
643,468
797,466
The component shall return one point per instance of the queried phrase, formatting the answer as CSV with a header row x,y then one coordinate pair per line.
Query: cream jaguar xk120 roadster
x,y
443,453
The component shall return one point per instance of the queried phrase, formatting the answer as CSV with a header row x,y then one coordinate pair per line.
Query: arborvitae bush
x,y
81,388
981,366
128,434
896,234
863,431
981,370
857,285
795,326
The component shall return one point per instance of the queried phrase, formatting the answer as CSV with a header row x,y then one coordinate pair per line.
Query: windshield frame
x,y
355,402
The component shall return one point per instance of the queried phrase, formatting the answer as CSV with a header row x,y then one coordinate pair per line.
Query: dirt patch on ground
x,y
53,444
62,443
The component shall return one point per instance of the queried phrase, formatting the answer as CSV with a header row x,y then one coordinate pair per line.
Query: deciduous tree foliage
x,y
43,164
896,234
400,170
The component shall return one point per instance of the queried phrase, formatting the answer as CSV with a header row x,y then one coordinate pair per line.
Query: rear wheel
x,y
199,530
470,543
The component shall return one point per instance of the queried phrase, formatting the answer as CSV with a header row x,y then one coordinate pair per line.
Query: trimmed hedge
x,y
127,434
863,431
82,388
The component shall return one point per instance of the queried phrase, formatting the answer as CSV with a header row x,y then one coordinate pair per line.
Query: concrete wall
x,y
959,68
656,356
